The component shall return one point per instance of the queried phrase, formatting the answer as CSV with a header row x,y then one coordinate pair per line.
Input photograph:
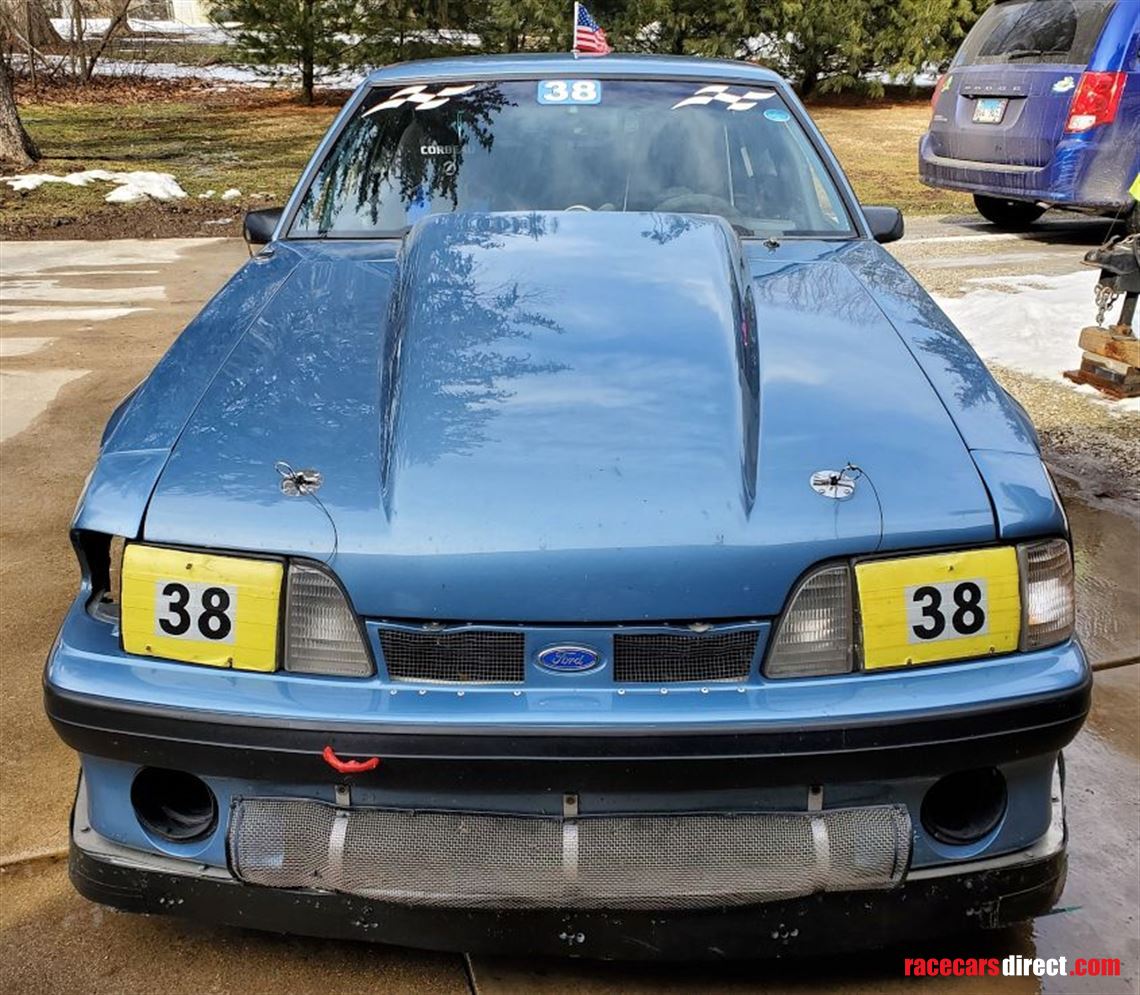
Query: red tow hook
x,y
349,766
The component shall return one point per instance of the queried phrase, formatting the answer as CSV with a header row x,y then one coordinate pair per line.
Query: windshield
x,y
1061,31
572,144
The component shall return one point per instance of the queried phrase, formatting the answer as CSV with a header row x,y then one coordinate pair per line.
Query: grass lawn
x,y
214,138
256,141
877,145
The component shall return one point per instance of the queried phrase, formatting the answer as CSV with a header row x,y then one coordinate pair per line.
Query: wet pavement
x,y
81,323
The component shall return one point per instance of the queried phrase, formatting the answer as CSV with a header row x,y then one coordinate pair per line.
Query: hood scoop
x,y
582,364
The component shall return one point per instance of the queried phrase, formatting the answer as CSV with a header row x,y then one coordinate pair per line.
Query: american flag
x,y
589,39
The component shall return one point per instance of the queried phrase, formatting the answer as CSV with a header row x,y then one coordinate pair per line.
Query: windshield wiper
x,y
376,233
1029,53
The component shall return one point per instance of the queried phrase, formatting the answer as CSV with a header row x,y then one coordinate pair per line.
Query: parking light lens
x,y
816,634
322,635
1048,604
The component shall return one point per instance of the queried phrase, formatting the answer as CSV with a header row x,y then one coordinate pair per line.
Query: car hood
x,y
569,417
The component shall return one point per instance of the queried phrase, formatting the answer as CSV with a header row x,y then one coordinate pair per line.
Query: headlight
x,y
1048,608
816,634
322,635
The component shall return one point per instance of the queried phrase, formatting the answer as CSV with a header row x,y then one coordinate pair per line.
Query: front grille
x,y
699,656
467,655
470,859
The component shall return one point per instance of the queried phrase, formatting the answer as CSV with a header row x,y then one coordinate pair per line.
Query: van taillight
x,y
1095,101
937,92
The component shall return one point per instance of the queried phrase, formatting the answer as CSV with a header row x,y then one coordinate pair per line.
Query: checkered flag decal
x,y
423,98
724,95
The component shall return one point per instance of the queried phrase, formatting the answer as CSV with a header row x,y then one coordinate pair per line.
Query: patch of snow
x,y
255,76
48,289
206,196
232,194
135,185
96,27
1027,323
84,257
14,346
44,312
25,394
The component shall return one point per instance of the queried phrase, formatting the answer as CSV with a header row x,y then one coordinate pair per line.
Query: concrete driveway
x,y
81,323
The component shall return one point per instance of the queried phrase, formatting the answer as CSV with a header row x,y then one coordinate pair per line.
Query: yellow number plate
x,y
217,610
946,606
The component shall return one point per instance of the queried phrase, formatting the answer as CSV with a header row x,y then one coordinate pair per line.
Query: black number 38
x,y
213,621
967,618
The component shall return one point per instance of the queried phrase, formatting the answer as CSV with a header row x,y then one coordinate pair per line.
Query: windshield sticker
x,y
421,97
723,94
777,114
570,91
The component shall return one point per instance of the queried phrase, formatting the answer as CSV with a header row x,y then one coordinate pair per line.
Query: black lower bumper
x,y
822,751
833,922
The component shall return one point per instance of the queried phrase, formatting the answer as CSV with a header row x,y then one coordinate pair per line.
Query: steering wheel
x,y
577,207
698,203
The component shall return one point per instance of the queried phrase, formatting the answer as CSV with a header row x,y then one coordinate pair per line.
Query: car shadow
x,y
1053,227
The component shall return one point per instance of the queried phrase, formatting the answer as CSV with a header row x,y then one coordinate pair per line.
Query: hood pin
x,y
836,484
298,482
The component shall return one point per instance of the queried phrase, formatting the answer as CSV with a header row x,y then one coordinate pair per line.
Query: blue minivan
x,y
1041,108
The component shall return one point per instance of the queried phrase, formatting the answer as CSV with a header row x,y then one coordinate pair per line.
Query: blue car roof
x,y
564,63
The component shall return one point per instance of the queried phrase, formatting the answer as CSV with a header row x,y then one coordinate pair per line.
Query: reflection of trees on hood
x,y
374,154
455,339
667,227
904,300
811,288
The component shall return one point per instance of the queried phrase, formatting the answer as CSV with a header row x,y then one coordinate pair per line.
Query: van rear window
x,y
1061,31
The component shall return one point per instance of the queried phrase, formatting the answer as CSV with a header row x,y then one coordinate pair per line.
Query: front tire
x,y
1013,215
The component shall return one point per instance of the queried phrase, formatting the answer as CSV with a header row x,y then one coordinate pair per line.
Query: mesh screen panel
x,y
705,656
468,655
469,859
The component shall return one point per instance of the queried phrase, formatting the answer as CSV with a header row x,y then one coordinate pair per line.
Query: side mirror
x,y
259,225
886,223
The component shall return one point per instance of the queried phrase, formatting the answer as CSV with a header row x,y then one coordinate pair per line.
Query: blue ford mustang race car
x,y
572,533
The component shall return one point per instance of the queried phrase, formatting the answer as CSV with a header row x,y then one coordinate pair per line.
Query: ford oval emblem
x,y
568,659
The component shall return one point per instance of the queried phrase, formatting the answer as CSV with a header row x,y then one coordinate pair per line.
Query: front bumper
x,y
986,894
1025,705
873,741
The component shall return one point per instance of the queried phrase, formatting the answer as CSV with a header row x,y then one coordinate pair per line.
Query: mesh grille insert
x,y
467,655
704,656
471,859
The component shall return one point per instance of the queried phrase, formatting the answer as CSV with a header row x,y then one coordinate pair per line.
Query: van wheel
x,y
1011,214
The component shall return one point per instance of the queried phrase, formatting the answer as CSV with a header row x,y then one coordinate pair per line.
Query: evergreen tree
x,y
312,36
